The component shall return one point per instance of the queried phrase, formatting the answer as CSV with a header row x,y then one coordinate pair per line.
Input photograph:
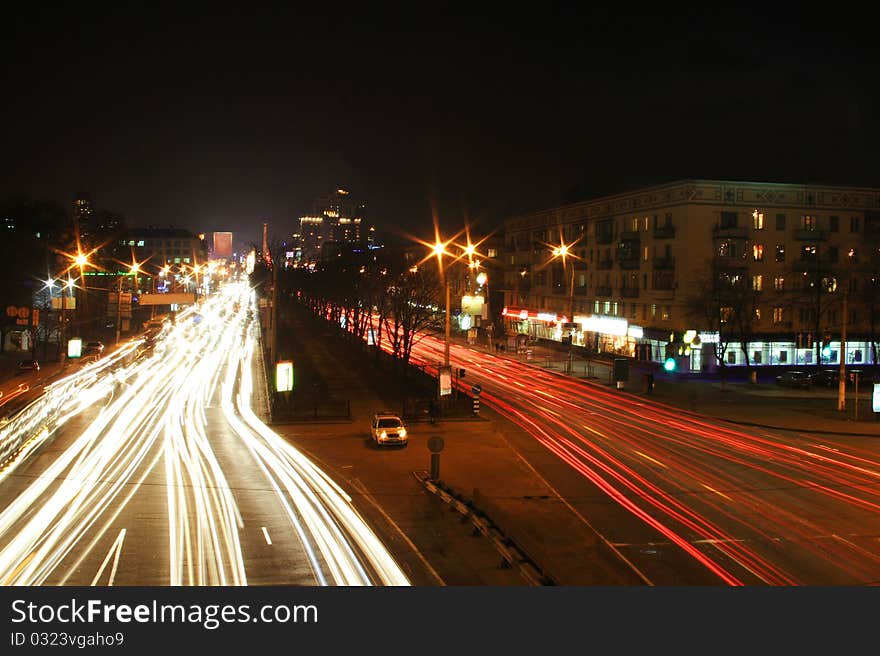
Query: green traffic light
x,y
669,365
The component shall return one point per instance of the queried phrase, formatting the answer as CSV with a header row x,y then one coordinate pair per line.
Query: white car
x,y
388,428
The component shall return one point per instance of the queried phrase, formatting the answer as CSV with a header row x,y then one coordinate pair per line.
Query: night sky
x,y
221,122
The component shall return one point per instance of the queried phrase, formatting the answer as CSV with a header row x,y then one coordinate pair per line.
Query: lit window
x,y
757,282
758,220
140,242
758,252
779,283
653,310
777,315
186,260
492,252
664,313
808,222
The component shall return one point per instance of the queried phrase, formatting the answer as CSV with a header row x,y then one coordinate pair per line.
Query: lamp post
x,y
563,251
439,249
133,269
63,345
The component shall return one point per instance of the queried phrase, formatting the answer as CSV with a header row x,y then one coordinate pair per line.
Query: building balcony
x,y
664,232
734,232
664,263
603,290
580,291
810,235
629,263
605,264
629,235
629,292
604,237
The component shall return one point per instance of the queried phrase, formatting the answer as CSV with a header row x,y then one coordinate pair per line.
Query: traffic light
x,y
669,365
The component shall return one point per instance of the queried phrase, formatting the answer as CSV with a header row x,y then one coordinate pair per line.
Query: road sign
x,y
435,444
445,381
476,389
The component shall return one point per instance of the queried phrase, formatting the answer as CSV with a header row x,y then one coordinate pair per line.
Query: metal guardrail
x,y
512,553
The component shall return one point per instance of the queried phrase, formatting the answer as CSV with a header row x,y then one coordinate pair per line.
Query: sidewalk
x,y
764,404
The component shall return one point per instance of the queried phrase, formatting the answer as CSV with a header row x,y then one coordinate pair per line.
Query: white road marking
x,y
266,535
115,551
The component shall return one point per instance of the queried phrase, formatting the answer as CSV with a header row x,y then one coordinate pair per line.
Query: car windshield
x,y
389,423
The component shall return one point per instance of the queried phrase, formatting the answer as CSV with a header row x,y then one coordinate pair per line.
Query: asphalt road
x,y
683,498
150,468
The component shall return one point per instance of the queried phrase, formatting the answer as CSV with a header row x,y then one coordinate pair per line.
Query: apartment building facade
x,y
700,270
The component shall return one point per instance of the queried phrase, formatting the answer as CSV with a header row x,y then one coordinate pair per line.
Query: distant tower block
x,y
222,245
266,242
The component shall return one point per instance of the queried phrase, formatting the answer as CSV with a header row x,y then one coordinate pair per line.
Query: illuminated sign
x,y
74,347
636,332
605,325
546,316
284,376
464,321
472,304
445,381
876,400
709,338
689,336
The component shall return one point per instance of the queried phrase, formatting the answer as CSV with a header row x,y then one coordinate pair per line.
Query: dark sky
x,y
222,121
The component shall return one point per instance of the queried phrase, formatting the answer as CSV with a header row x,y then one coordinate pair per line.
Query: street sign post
x,y
445,380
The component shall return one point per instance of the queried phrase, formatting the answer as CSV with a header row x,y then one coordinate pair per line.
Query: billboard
x,y
222,244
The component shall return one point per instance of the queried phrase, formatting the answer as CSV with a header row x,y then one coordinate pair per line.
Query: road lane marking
x,y
266,535
721,494
363,490
647,457
115,551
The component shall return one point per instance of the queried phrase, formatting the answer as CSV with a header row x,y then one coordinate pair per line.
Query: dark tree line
x,y
376,296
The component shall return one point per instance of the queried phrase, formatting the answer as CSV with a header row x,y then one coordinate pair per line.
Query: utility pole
x,y
841,383
63,345
273,343
448,321
118,304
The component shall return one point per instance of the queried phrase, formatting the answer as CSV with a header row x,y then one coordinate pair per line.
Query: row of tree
x,y
727,301
377,296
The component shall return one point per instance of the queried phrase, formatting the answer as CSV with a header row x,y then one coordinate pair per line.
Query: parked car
x,y
826,378
28,365
388,428
795,379
865,377
93,348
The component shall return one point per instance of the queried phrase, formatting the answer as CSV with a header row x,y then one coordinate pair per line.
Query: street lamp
x,y
65,287
439,250
563,251
134,267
